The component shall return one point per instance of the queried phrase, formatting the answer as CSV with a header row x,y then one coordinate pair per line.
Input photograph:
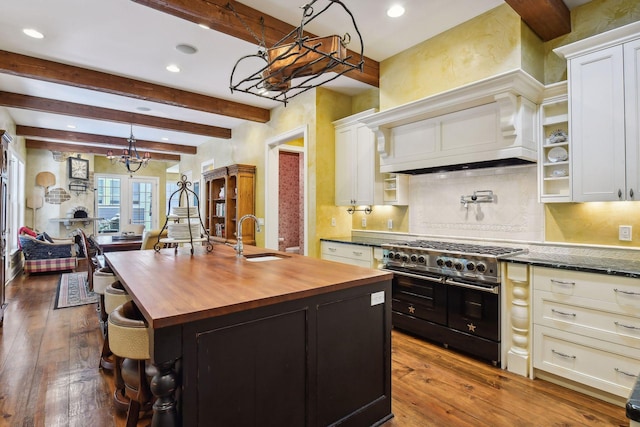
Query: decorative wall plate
x,y
557,154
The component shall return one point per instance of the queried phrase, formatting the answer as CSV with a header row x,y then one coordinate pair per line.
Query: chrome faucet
x,y
239,247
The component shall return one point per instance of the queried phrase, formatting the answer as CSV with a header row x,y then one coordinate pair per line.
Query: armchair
x,y
44,255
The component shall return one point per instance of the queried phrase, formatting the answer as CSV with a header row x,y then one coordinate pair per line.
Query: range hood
x,y
484,124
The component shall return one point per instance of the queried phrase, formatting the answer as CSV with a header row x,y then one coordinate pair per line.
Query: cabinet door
x,y
344,191
632,117
597,125
364,164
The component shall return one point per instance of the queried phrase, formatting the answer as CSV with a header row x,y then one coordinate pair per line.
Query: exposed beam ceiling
x,y
547,18
109,141
89,149
41,69
71,109
219,16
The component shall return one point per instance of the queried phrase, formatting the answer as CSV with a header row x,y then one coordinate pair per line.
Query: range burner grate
x,y
463,248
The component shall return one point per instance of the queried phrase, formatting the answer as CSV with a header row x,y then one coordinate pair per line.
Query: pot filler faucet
x,y
239,247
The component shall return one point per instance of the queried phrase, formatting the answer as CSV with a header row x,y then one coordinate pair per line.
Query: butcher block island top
x,y
289,339
174,289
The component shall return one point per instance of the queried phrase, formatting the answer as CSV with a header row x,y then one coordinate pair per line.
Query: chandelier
x,y
130,157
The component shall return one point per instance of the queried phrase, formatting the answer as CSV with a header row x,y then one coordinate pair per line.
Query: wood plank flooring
x,y
49,377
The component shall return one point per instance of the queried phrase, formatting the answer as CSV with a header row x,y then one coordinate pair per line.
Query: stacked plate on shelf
x,y
181,231
184,211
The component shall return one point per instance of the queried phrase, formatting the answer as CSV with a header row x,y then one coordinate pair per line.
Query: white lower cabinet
x,y
587,328
347,253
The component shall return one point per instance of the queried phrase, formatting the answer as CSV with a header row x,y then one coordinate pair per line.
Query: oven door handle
x,y
418,276
489,289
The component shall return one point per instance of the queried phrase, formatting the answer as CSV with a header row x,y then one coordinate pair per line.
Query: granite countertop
x,y
599,260
356,240
578,262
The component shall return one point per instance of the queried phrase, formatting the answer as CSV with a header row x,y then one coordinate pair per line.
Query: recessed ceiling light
x,y
164,138
395,11
186,49
173,68
33,33
71,126
143,108
205,26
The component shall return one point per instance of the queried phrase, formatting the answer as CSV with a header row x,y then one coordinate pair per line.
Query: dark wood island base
x,y
292,342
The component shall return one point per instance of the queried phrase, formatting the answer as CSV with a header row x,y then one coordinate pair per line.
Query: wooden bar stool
x,y
114,295
129,342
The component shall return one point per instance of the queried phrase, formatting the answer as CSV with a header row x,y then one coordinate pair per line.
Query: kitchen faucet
x,y
239,247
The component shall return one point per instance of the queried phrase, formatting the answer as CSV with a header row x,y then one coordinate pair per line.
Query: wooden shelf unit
x,y
229,195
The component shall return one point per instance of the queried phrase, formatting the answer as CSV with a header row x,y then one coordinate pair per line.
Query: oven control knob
x,y
471,266
422,259
440,262
458,265
414,258
397,255
448,263
481,267
390,255
405,257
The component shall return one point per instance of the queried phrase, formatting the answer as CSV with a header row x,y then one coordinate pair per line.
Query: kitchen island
x,y
237,341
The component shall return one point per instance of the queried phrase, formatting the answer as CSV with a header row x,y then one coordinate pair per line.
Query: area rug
x,y
72,291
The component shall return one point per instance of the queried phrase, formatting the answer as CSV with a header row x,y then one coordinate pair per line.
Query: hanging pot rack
x,y
298,62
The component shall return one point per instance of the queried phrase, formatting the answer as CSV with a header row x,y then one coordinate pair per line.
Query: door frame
x,y
126,193
272,163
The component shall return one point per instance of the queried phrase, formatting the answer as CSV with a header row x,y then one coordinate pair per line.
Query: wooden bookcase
x,y
229,195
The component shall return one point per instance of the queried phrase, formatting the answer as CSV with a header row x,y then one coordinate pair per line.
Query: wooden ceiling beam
x,y
88,149
55,72
111,141
26,102
218,16
547,18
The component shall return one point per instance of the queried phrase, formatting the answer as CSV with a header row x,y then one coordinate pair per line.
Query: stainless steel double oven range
x,y
448,293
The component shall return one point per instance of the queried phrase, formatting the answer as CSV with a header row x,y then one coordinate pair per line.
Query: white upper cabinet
x,y
603,102
355,162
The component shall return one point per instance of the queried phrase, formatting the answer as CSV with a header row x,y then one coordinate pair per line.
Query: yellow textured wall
x,y
330,106
377,219
480,48
592,223
587,20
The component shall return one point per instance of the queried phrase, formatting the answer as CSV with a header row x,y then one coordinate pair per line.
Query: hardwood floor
x,y
49,377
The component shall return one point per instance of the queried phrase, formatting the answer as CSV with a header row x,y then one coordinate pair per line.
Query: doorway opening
x,y
286,192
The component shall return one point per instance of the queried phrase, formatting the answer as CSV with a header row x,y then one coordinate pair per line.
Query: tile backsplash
x,y
515,213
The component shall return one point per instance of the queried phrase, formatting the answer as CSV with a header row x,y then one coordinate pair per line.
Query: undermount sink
x,y
265,257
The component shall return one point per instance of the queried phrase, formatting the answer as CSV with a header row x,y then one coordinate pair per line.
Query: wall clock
x,y
78,168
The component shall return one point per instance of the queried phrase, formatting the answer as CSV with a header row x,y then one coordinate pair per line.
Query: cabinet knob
x,y
631,193
619,194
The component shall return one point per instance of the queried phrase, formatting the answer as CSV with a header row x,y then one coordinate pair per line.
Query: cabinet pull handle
x,y
626,292
562,313
620,371
566,356
619,194
631,193
622,325
356,253
332,249
562,282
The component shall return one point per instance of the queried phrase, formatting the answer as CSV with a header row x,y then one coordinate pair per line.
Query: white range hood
x,y
488,123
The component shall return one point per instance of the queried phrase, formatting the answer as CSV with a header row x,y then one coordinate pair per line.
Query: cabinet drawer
x,y
586,317
608,367
622,291
356,252
358,262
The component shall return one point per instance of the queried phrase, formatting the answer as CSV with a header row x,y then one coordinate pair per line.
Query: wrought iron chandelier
x,y
130,158
297,63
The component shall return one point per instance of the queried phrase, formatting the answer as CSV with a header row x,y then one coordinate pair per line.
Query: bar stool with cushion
x,y
129,341
114,295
